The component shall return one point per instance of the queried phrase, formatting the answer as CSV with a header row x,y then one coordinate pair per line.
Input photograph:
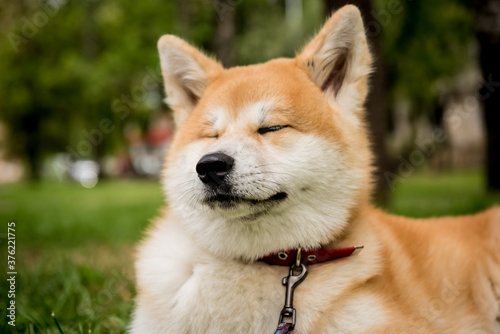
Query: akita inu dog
x,y
268,178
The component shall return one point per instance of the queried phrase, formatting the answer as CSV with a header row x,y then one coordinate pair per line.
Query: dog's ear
x,y
338,59
187,72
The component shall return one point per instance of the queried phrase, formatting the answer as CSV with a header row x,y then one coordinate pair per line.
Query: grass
x,y
74,253
429,194
74,246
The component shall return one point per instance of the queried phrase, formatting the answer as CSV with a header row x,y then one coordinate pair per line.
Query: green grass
x,y
429,194
61,214
74,253
74,246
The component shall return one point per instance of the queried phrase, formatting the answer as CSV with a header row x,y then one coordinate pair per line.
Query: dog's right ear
x,y
187,72
339,61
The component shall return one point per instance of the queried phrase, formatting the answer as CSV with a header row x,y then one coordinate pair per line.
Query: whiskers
x,y
188,199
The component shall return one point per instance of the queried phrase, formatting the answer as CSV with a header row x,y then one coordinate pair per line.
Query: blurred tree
x,y
424,42
224,33
75,72
488,35
260,30
376,104
416,45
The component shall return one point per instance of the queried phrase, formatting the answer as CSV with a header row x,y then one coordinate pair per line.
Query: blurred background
x,y
83,129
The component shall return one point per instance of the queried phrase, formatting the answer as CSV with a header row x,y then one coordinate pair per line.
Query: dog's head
x,y
270,156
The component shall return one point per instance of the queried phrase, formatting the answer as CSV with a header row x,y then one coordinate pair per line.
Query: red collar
x,y
308,257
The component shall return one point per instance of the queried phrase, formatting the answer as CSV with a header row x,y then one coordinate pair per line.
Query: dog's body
x,y
275,157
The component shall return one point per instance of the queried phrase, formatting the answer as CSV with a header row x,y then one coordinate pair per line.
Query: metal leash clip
x,y
288,313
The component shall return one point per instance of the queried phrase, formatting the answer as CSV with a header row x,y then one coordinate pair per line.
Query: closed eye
x,y
271,129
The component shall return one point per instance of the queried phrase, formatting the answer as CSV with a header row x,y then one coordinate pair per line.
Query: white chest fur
x,y
184,290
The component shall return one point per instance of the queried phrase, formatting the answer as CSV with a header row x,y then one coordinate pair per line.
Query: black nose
x,y
212,168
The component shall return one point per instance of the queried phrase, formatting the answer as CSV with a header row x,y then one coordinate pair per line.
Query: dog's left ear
x,y
339,61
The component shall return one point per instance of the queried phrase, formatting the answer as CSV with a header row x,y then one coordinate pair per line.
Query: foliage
x,y
263,32
67,65
423,42
88,62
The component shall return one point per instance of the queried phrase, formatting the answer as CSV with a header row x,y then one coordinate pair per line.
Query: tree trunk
x,y
377,109
488,35
224,34
31,124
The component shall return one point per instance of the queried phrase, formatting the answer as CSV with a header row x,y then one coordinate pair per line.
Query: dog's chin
x,y
244,208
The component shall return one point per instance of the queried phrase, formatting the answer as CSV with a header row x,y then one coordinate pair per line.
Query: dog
x,y
269,179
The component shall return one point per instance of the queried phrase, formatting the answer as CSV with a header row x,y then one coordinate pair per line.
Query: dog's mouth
x,y
227,201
